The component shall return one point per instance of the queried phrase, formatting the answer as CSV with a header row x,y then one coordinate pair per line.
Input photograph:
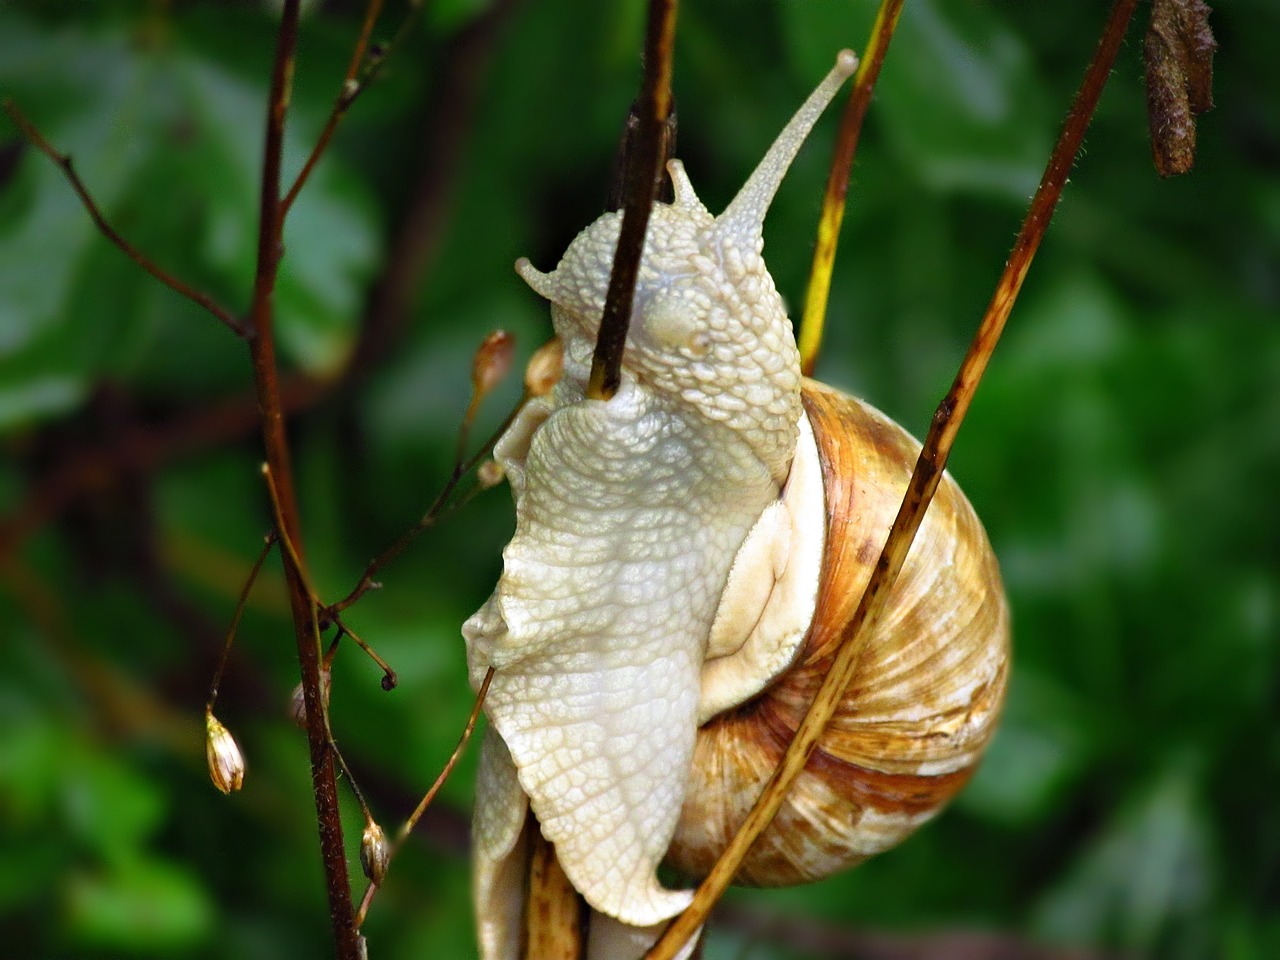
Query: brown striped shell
x,y
923,704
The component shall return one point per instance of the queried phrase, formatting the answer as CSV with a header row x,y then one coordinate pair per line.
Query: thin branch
x,y
389,678
655,98
37,140
833,201
267,387
430,795
924,481
199,428
347,94
270,541
439,507
446,124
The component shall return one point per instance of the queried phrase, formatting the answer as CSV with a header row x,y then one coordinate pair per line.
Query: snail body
x,y
685,556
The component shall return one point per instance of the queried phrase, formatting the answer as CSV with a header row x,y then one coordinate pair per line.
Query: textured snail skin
x,y
630,514
672,544
925,699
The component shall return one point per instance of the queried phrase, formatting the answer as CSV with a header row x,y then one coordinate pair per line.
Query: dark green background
x,y
1123,451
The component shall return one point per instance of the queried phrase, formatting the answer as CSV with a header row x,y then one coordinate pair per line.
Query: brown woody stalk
x,y
833,201
924,481
267,388
646,171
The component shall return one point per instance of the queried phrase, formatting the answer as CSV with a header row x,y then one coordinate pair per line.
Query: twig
x,y
655,98
389,678
37,140
347,94
833,201
447,120
438,508
266,385
924,481
270,541
430,795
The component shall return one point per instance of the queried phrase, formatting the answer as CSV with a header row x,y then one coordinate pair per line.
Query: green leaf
x,y
168,144
109,807
141,906
1147,873
1040,749
960,100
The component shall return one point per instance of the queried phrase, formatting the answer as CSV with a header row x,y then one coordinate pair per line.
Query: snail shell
x,y
923,704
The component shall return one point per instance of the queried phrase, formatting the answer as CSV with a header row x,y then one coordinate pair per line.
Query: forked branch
x,y
267,388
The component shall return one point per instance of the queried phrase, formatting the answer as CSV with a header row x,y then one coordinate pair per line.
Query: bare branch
x,y
430,795
267,388
347,94
37,140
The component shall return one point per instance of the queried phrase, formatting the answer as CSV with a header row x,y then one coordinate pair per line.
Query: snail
x,y
685,557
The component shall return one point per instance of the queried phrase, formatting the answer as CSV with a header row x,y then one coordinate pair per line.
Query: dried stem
x,y
37,140
924,481
655,99
430,795
267,387
555,913
833,201
347,93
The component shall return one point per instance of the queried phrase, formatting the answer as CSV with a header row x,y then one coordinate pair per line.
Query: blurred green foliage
x,y
1123,451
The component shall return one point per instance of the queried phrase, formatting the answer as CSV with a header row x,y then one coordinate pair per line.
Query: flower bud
x,y
544,368
298,700
374,853
226,763
492,361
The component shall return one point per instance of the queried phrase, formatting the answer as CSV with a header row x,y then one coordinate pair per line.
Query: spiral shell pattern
x,y
925,700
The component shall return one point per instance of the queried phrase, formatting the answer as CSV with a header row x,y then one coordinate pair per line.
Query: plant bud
x,y
490,474
544,369
492,361
226,763
298,701
374,853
